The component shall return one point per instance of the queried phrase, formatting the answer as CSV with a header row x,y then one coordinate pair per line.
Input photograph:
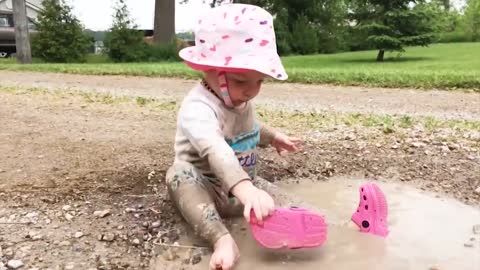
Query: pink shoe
x,y
372,211
291,228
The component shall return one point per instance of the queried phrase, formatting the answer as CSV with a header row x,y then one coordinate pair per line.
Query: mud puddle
x,y
426,232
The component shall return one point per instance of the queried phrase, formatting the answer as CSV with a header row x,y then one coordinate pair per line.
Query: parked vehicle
x,y
7,33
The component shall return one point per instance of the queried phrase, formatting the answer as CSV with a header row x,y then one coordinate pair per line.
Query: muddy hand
x,y
284,144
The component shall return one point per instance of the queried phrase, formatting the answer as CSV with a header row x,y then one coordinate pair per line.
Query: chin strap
x,y
222,83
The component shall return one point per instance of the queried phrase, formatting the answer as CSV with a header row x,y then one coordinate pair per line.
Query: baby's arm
x,y
267,134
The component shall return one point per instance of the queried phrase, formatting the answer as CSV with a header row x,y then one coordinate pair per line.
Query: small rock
x,y
477,190
31,215
476,229
145,224
155,224
170,255
66,208
395,146
418,144
130,210
48,221
108,237
453,146
34,268
135,242
469,244
70,266
78,235
120,227
15,264
101,214
65,244
197,258
8,252
68,217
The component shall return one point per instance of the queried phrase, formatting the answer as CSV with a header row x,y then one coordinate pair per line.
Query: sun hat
x,y
235,38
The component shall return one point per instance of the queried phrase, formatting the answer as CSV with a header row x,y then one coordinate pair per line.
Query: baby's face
x,y
244,86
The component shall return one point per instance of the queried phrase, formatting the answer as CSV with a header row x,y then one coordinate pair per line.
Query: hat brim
x,y
191,56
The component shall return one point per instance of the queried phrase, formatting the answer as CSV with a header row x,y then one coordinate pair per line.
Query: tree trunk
x,y
380,55
22,40
446,4
164,22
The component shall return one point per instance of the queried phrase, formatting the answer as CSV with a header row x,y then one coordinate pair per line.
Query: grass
x,y
442,66
279,118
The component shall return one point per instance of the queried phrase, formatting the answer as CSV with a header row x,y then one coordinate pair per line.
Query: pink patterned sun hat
x,y
235,38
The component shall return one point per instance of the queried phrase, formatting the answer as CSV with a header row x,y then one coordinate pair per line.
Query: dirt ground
x,y
81,183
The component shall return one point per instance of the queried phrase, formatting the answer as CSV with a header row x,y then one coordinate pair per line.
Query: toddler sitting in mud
x,y
214,173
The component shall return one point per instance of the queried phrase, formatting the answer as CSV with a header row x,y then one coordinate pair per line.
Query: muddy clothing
x,y
215,148
220,142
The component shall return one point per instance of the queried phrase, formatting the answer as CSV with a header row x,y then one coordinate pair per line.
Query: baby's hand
x,y
283,143
254,199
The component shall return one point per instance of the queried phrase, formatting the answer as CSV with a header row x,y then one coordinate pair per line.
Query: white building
x,y
33,7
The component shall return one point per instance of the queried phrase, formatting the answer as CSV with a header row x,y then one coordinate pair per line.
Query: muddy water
x,y
426,231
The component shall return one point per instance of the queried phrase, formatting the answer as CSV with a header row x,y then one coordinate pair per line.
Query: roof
x,y
29,4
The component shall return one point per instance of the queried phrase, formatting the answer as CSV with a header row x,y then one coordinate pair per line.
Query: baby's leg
x,y
194,199
194,196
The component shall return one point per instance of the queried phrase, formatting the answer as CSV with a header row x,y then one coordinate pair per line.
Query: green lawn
x,y
444,66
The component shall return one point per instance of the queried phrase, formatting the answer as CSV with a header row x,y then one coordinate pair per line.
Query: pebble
x,y
66,208
197,258
108,237
130,210
145,224
31,215
68,217
70,266
155,224
120,227
170,255
476,229
78,234
15,264
48,221
102,214
65,244
477,190
418,144
135,242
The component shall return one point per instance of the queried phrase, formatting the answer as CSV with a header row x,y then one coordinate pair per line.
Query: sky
x,y
97,14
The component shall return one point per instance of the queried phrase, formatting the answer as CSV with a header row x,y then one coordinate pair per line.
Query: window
x,y
4,20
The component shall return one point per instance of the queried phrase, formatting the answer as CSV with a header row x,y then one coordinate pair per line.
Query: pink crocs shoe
x,y
372,211
291,228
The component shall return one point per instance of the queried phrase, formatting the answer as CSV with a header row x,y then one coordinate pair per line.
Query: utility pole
x,y
22,39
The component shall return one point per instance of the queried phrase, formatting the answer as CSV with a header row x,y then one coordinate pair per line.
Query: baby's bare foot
x,y
225,254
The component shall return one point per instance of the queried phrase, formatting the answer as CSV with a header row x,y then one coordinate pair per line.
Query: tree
x,y
123,43
472,19
22,39
392,25
61,37
164,21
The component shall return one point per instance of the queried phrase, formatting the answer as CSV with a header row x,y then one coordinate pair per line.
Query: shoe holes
x,y
364,197
365,224
366,207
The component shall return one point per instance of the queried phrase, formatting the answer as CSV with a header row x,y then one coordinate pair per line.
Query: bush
x,y
124,43
452,37
304,37
163,52
61,37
